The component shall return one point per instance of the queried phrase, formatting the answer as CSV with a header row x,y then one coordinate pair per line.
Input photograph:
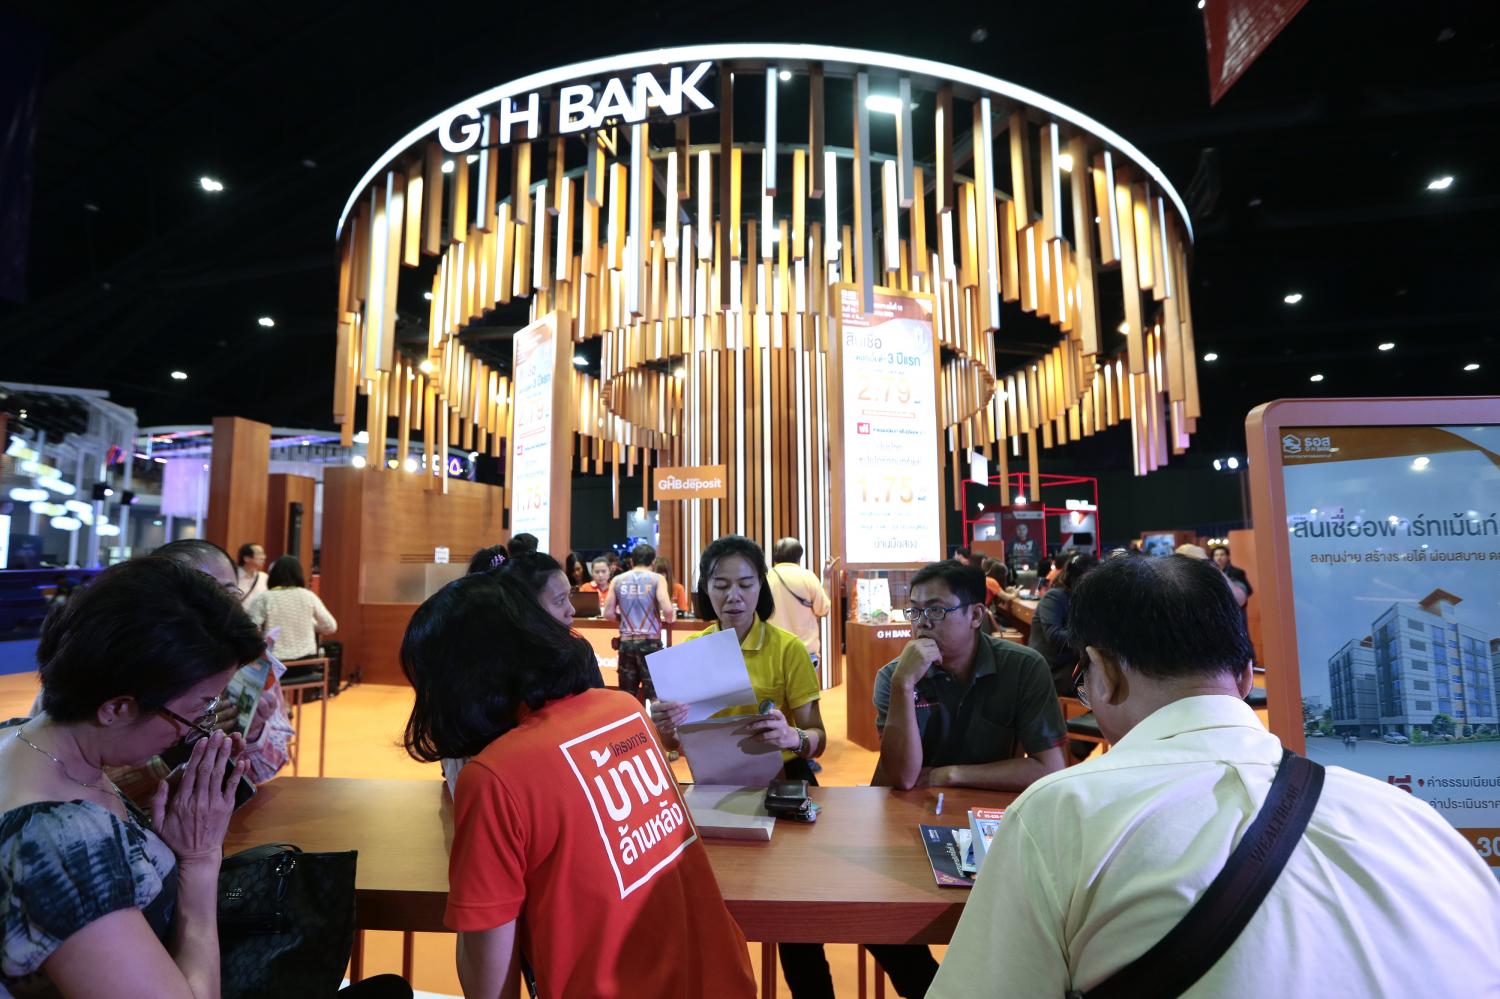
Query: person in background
x,y
1050,635
1098,863
99,898
250,574
575,570
544,580
1059,561
600,577
733,594
801,600
640,601
522,543
963,555
676,589
995,579
292,608
489,558
957,709
270,733
612,559
1236,575
534,871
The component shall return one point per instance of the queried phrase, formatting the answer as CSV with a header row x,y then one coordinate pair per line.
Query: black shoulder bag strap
x,y
1215,921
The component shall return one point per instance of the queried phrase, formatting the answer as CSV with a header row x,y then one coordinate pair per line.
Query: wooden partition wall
x,y
237,483
375,523
282,490
692,208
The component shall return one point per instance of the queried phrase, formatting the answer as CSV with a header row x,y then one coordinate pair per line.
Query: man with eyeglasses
x,y
958,708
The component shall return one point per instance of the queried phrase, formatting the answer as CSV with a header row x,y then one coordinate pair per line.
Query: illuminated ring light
x,y
571,211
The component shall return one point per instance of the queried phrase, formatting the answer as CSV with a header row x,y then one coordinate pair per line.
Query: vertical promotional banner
x,y
892,480
1392,549
539,505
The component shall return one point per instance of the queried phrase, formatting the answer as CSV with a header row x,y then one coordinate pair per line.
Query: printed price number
x,y
885,390
885,489
1486,841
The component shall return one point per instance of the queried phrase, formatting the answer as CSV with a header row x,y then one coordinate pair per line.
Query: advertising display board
x,y
1379,520
1025,535
892,496
539,504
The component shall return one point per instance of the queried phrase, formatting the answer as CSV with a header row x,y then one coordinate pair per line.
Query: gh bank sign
x,y
581,108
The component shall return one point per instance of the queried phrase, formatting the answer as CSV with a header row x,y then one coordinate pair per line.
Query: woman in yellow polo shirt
x,y
732,593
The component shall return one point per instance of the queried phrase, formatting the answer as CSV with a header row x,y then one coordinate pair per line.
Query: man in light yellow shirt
x,y
801,601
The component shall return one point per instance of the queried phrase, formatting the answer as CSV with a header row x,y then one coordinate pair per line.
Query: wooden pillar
x,y
282,491
237,482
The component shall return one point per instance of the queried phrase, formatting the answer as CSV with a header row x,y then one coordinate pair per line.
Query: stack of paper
x,y
729,812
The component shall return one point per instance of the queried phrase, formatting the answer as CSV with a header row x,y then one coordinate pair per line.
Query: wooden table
x,y
859,875
1019,610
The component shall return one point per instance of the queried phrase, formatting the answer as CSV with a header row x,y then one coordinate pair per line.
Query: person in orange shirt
x,y
678,591
599,569
573,849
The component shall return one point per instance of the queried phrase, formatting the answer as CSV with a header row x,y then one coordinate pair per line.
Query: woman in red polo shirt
x,y
572,846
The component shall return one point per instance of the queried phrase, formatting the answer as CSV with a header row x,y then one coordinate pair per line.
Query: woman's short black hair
x,y
532,568
149,628
286,571
489,558
1219,548
523,542
1163,617
477,651
733,544
195,553
996,570
247,551
965,581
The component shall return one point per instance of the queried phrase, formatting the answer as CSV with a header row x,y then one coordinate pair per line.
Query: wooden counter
x,y
867,648
1020,612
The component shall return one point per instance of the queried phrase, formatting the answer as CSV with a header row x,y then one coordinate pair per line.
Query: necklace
x,y
111,789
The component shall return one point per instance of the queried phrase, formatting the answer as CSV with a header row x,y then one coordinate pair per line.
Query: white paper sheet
x,y
722,751
729,812
707,674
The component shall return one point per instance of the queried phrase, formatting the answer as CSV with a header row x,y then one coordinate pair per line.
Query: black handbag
x,y
286,922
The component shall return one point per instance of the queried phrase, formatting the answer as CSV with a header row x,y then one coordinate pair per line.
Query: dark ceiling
x,y
1310,176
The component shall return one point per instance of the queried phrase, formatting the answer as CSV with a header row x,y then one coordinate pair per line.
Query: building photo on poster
x,y
892,485
1394,542
531,478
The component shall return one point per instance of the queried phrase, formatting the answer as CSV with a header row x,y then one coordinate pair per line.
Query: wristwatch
x,y
803,745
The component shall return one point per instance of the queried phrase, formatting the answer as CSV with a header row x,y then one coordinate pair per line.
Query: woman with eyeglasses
x,y
99,898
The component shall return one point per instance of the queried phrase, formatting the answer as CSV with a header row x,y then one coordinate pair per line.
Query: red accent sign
x,y
1236,32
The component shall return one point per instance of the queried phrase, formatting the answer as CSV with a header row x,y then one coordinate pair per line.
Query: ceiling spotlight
x,y
784,75
1218,465
1232,462
310,164
883,103
425,367
1065,162
410,465
981,506
1210,357
358,461
266,321
1123,327
979,35
391,463
179,376
209,184
1293,298
679,373
580,361
1316,378
1388,345
1021,499
447,166
426,296
1202,4
1420,463
1471,367
1440,184
363,437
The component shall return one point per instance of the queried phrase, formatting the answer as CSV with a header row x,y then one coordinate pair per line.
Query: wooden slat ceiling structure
x,y
700,251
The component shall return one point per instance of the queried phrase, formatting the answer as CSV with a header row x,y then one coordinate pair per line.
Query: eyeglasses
x,y
934,615
1080,674
205,723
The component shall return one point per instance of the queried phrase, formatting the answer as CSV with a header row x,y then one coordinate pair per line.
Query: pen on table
x,y
939,809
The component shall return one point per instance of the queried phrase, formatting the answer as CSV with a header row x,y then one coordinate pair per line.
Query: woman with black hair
x,y
567,820
489,558
733,592
297,612
97,898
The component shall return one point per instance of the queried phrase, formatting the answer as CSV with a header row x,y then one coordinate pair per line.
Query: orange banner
x,y
689,483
